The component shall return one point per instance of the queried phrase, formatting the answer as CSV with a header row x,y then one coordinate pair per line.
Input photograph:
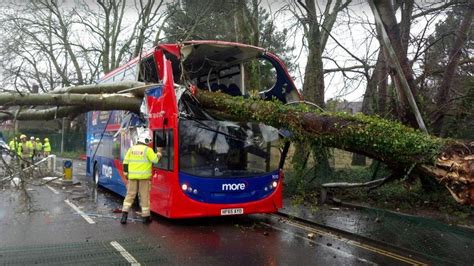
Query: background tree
x,y
449,69
317,23
120,34
250,23
54,44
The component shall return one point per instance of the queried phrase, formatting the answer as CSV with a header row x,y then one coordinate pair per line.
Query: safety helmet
x,y
144,138
37,139
32,138
23,136
46,139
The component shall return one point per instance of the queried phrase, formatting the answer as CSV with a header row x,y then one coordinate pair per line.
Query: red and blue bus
x,y
210,166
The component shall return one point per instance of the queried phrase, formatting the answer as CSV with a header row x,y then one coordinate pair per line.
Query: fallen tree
x,y
75,100
408,152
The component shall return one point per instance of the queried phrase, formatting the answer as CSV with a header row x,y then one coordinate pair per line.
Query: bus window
x,y
226,149
164,139
148,71
116,147
130,74
260,75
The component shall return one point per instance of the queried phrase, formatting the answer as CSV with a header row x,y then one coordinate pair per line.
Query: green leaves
x,y
370,135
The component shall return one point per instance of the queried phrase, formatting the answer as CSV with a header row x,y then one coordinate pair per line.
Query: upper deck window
x,y
128,73
148,70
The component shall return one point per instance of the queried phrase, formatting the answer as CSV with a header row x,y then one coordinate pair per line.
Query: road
x,y
75,224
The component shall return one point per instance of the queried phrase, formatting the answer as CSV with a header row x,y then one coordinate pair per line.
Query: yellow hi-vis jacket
x,y
25,149
140,159
13,143
39,146
47,146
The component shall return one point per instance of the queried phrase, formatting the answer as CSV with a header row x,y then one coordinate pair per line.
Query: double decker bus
x,y
210,166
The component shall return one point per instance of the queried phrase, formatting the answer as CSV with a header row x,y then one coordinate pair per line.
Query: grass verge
x,y
398,195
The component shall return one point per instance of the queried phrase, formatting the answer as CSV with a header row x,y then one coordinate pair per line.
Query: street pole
x,y
62,137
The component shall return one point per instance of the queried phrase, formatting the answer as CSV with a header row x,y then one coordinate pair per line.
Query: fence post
x,y
62,136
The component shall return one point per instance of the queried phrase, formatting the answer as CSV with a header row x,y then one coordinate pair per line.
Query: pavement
x,y
441,243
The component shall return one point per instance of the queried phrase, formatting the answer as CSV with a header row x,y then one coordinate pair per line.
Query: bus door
x,y
162,117
163,180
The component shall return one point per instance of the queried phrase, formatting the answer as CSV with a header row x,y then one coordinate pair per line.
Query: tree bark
x,y
99,101
68,105
136,88
313,85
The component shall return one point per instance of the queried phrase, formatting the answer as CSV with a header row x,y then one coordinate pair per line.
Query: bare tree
x,y
117,39
391,37
49,43
317,27
443,95
317,24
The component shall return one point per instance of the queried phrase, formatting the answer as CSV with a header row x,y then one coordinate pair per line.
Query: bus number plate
x,y
232,211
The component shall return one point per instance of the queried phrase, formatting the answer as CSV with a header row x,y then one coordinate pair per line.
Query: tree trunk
x,y
443,95
405,150
71,105
99,101
313,85
401,74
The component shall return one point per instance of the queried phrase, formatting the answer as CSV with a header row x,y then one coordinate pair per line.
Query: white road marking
x,y
74,207
52,189
125,253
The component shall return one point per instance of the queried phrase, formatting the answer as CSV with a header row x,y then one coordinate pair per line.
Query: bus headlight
x,y
184,187
275,184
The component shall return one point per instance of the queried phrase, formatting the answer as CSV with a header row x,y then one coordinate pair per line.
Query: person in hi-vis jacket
x,y
137,167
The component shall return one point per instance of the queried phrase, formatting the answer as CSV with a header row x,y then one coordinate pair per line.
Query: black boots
x,y
124,218
147,220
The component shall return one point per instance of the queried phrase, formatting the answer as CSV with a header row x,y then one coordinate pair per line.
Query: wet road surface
x,y
75,224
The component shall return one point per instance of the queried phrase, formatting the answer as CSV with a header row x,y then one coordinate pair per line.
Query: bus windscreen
x,y
222,149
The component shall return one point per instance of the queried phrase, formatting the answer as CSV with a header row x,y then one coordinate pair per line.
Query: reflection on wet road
x,y
58,233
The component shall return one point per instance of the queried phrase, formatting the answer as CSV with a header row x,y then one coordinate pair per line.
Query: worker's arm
x,y
125,163
125,170
152,156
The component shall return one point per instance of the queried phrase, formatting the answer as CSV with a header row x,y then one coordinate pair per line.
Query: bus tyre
x,y
96,175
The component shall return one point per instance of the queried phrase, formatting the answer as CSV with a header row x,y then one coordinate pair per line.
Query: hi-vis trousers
x,y
142,186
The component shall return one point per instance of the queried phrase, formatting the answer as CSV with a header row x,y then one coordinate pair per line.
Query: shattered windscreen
x,y
215,148
211,148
